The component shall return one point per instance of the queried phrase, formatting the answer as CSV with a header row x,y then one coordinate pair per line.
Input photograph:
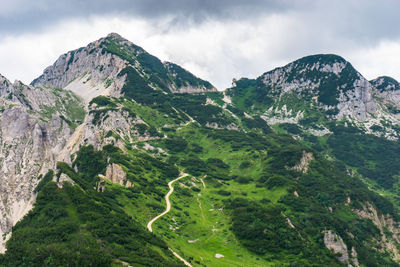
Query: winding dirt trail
x,y
171,190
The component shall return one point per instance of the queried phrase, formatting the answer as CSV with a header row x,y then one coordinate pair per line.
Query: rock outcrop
x,y
96,70
335,243
49,120
88,72
304,163
383,222
30,140
331,79
117,175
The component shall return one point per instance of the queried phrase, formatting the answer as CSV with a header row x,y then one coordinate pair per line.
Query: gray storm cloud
x,y
22,15
364,19
219,39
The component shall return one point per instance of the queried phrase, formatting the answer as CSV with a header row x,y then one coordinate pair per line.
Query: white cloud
x,y
214,50
25,56
383,59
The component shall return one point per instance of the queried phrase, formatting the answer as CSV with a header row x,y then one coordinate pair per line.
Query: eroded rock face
x,y
390,243
335,243
357,103
29,146
117,175
309,75
88,72
304,163
94,70
95,133
388,90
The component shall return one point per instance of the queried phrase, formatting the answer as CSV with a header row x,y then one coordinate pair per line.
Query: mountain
x,y
31,138
329,81
97,68
297,167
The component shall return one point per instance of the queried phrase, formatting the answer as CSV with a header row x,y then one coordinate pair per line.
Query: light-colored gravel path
x,y
171,190
149,225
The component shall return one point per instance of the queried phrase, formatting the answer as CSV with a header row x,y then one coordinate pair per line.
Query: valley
x,y
131,161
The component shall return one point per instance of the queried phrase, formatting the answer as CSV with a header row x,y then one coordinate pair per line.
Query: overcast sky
x,y
215,39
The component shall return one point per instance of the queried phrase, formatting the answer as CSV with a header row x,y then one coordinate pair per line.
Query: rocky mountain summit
x,y
324,86
45,122
96,70
296,166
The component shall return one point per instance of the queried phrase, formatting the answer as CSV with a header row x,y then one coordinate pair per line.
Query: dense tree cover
x,y
239,140
100,225
264,229
102,101
324,186
90,227
183,78
90,162
71,227
47,178
250,94
176,143
137,88
196,107
291,128
374,157
323,192
144,170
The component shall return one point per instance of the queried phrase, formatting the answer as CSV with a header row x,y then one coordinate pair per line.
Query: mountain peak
x,y
329,80
315,67
100,68
114,35
321,58
385,83
4,82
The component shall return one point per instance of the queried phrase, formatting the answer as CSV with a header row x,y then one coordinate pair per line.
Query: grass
x,y
208,225
66,104
196,212
149,115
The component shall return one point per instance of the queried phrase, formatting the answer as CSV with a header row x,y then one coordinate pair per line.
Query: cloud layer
x,y
216,40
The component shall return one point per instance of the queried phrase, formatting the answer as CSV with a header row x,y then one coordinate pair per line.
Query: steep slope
x,y
388,89
269,182
327,80
61,125
96,70
35,125
113,66
52,123
359,131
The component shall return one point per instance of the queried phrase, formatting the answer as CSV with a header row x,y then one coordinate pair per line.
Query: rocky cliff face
x,y
388,227
388,90
30,139
88,72
335,243
325,87
96,70
330,80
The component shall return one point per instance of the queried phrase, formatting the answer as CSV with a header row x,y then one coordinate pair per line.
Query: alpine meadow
x,y
113,157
